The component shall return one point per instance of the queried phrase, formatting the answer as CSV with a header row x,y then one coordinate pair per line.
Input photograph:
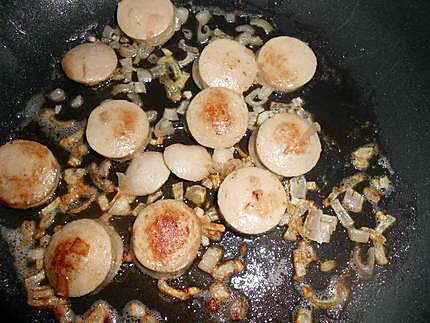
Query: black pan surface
x,y
373,67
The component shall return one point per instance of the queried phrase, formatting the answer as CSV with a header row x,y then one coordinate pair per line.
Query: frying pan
x,y
374,67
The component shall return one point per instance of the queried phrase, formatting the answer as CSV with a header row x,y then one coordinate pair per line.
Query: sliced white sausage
x,y
253,151
29,174
285,147
252,200
146,174
117,129
81,257
217,117
225,63
286,63
147,20
166,238
90,63
189,162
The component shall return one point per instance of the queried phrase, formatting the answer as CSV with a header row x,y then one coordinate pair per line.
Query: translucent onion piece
x,y
228,268
380,256
384,222
364,270
382,184
318,228
298,188
238,309
343,216
178,191
181,294
362,156
303,255
353,201
264,24
358,235
196,194
340,293
170,114
164,128
181,17
303,315
347,183
219,291
327,265
210,259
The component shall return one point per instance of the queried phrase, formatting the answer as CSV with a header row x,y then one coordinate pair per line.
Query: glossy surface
x,y
281,147
189,162
148,20
117,129
252,200
226,63
286,63
166,236
29,174
146,173
217,117
78,258
90,63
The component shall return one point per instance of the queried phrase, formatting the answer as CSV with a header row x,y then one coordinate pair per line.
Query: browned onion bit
x,y
238,308
363,269
225,270
182,294
99,175
339,290
303,315
303,255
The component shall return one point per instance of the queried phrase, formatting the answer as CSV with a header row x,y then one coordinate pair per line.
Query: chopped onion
x,y
219,34
364,270
219,292
246,39
228,268
380,256
298,188
196,194
77,102
183,295
210,259
384,222
303,255
264,24
143,75
152,115
108,32
340,293
319,227
353,201
372,195
135,98
362,156
258,97
221,156
230,17
154,197
48,213
99,176
348,183
164,128
203,31
382,184
183,106
57,95
181,17
170,114
36,254
303,315
122,88
178,191
343,216
238,309
358,235
327,265
245,29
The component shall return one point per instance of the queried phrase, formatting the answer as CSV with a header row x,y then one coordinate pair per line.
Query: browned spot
x,y
31,148
289,135
104,116
276,62
125,123
167,233
216,112
230,61
65,263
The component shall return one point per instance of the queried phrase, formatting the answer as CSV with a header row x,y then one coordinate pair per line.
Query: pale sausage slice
x,y
166,238
117,129
286,63
253,152
90,63
147,20
226,63
29,174
217,117
189,162
80,256
252,200
284,148
146,173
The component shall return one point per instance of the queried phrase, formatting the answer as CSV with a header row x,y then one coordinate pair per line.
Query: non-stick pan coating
x,y
374,67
